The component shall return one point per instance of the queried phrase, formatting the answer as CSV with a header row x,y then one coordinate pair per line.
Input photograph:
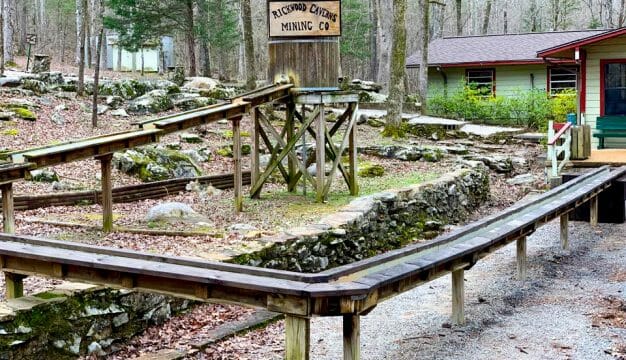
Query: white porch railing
x,y
555,149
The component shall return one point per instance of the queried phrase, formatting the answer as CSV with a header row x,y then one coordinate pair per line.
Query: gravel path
x,y
553,315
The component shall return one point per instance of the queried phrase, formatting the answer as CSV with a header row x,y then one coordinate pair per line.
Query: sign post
x,y
31,39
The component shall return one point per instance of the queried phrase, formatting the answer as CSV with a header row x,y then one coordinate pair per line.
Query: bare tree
x,y
81,6
393,126
249,44
459,14
487,17
2,37
374,39
621,18
9,26
385,23
96,77
423,69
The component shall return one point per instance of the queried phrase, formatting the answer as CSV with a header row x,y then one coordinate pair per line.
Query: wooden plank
x,y
292,164
353,167
564,231
14,285
289,304
521,258
107,193
458,297
8,214
297,337
320,158
228,112
351,337
256,149
593,211
574,144
580,142
338,153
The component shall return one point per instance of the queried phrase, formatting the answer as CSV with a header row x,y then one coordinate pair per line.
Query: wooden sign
x,y
31,39
304,18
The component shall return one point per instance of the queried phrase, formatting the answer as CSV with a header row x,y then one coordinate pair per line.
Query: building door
x,y
613,89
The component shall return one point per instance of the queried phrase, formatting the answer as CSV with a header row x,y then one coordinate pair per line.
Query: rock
x,y
166,85
102,109
6,115
376,123
362,119
65,186
371,170
155,172
52,78
25,114
201,83
178,75
10,81
522,179
61,107
154,102
114,102
57,118
96,349
361,85
218,92
170,210
152,163
36,86
187,101
127,89
500,164
190,138
21,104
196,155
41,63
66,95
120,113
312,169
241,228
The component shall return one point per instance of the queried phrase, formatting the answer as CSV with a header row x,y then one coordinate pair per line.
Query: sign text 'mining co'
x,y
304,18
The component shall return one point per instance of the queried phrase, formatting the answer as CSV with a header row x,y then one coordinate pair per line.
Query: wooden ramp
x,y
350,291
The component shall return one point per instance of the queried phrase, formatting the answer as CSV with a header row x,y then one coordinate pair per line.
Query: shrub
x,y
531,109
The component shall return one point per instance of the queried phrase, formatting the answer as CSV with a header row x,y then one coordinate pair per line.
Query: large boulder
x,y
152,163
127,89
153,102
187,101
52,78
169,211
36,86
167,85
201,83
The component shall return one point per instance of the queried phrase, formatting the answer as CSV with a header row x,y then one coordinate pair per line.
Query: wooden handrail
x,y
558,135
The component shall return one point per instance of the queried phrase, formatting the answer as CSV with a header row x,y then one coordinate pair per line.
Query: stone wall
x,y
78,319
373,224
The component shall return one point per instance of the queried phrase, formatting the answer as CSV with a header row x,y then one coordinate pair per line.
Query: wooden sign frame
x,y
31,39
326,23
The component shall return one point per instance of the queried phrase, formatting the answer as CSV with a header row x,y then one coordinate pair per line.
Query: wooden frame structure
x,y
283,144
349,291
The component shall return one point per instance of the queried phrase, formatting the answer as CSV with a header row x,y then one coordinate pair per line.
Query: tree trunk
x,y
622,17
9,30
190,38
205,51
2,37
385,23
437,20
374,40
96,79
505,30
79,31
80,87
248,38
423,69
393,126
459,23
487,17
119,56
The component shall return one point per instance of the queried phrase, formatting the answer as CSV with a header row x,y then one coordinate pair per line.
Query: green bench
x,y
609,126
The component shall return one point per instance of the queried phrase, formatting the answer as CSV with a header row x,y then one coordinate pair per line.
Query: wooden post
x,y
521,258
320,158
564,231
458,297
292,165
8,215
593,211
14,285
256,150
354,186
237,164
351,337
107,192
297,337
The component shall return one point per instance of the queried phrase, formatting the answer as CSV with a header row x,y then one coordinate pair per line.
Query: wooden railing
x,y
559,143
350,291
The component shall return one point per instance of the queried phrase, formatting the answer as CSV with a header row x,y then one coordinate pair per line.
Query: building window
x,y
562,78
483,80
613,87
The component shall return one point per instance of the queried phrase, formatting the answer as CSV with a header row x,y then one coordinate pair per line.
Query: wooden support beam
x,y
238,185
564,231
353,183
256,148
297,337
8,211
351,337
521,258
458,297
14,285
107,192
320,158
593,211
292,164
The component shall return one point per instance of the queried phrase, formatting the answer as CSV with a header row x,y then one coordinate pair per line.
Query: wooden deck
x,y
611,157
350,291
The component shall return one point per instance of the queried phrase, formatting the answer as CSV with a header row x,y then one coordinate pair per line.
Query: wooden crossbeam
x,y
187,121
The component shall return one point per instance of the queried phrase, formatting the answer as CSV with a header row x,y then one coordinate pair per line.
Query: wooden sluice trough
x,y
349,291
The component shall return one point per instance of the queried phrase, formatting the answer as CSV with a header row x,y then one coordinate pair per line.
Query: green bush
x,y
531,109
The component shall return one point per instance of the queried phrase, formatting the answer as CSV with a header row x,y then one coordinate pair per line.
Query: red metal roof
x,y
490,50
